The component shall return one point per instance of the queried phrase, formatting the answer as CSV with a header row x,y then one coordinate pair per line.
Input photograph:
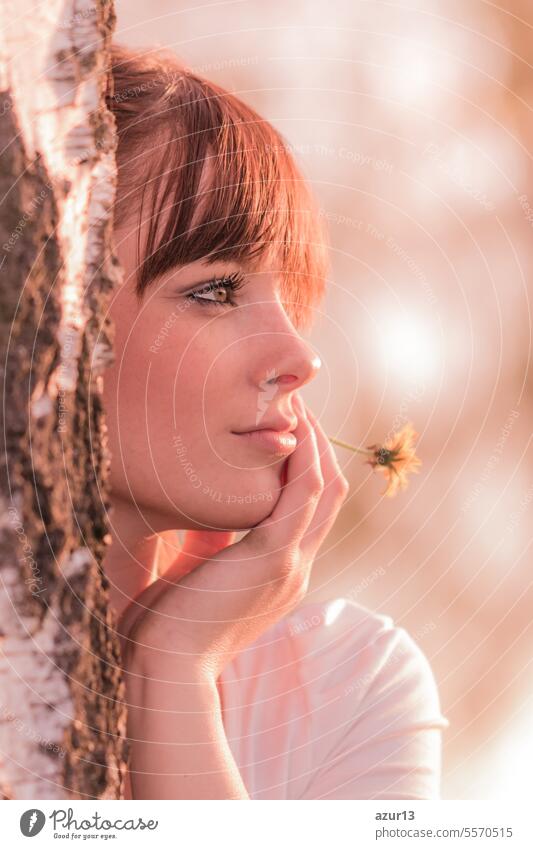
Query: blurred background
x,y
413,123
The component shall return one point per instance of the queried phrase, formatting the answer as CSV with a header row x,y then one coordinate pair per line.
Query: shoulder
x,y
355,694
351,648
343,644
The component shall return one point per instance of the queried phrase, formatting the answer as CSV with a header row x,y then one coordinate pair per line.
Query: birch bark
x,y
62,714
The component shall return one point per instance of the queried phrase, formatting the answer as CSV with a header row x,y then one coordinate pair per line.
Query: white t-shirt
x,y
334,702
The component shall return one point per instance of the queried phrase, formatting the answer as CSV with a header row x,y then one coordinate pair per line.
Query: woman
x,y
234,691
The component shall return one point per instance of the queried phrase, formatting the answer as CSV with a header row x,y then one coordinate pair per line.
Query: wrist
x,y
174,669
141,649
178,704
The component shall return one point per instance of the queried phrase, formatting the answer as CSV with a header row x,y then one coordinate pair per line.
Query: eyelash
x,y
231,283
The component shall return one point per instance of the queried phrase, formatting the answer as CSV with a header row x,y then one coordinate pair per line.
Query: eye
x,y
226,285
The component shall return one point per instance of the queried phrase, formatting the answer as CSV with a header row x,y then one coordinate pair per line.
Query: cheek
x,y
170,436
196,388
178,404
143,390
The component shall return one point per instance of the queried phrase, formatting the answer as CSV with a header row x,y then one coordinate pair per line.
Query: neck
x,y
137,556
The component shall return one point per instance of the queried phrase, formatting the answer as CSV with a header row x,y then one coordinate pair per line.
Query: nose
x,y
286,360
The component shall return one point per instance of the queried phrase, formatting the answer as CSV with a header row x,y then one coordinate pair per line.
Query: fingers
x,y
335,490
298,501
197,547
201,545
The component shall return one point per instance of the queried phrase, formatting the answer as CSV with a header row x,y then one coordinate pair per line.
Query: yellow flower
x,y
396,458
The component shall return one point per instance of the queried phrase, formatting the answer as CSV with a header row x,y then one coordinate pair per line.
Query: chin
x,y
238,501
232,512
242,512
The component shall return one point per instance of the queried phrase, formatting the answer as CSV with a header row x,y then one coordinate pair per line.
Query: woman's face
x,y
188,379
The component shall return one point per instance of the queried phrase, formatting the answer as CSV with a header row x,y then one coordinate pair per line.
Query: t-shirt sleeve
x,y
377,719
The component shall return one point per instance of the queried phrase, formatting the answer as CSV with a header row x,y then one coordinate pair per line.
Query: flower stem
x,y
347,445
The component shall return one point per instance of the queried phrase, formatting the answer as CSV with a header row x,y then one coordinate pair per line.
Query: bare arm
x,y
179,748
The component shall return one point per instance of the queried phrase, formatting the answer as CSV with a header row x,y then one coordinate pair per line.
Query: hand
x,y
197,547
204,619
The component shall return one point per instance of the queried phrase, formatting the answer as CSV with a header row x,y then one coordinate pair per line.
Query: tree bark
x,y
62,711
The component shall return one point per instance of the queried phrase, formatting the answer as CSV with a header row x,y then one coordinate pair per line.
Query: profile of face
x,y
209,354
220,274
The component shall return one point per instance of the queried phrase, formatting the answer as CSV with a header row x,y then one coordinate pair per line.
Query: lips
x,y
273,441
274,435
279,423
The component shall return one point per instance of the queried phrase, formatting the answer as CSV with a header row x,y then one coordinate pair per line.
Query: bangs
x,y
220,183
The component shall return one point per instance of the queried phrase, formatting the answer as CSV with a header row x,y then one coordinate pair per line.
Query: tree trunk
x,y
62,711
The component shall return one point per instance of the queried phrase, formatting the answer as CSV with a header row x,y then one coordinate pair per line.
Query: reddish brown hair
x,y
170,123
